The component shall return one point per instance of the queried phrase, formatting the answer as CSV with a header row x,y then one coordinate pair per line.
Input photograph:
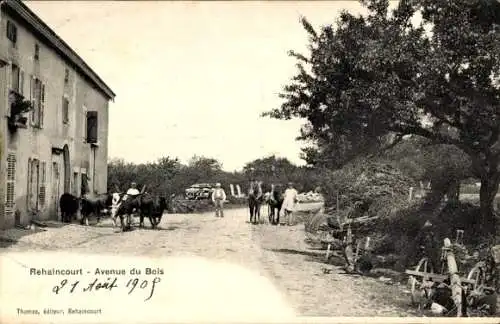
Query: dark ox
x,y
147,205
69,205
275,203
255,200
153,207
94,204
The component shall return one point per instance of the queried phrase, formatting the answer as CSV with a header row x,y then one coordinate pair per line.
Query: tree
x,y
276,170
378,75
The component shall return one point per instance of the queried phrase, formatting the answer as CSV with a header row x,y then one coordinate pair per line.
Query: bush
x,y
365,187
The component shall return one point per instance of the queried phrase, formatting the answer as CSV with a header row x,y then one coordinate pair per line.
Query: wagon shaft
x,y
436,277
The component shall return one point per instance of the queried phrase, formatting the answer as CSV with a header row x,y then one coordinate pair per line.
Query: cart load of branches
x,y
367,188
309,197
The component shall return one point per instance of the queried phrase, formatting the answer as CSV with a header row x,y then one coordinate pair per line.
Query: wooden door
x,y
55,193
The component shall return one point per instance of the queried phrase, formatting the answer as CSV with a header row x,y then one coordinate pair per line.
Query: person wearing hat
x,y
289,201
218,198
132,193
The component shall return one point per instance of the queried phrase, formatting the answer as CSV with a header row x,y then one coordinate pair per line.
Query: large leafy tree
x,y
376,76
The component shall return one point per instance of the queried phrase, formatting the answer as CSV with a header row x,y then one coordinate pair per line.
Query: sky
x,y
192,78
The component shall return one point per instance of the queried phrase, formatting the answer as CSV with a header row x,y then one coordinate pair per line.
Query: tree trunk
x,y
487,193
453,191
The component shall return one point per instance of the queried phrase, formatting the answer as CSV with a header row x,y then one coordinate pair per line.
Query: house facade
x,y
54,126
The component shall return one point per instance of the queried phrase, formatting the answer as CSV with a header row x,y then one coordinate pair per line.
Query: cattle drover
x,y
218,198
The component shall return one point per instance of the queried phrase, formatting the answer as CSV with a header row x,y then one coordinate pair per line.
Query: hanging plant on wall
x,y
18,108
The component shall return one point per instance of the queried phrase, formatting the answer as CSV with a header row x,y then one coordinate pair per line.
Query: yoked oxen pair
x,y
145,204
94,204
88,204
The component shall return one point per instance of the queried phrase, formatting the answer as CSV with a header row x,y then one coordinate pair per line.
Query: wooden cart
x,y
423,277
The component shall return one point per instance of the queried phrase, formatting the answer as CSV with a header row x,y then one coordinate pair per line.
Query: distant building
x,y
62,143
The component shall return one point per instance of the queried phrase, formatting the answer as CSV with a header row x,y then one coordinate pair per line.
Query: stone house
x,y
61,142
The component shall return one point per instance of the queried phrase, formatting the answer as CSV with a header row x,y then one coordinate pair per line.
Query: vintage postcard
x,y
249,161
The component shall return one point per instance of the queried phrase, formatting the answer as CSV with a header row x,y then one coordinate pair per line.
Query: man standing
x,y
218,198
289,201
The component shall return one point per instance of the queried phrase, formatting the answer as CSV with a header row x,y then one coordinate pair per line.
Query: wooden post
x,y
410,194
338,202
455,285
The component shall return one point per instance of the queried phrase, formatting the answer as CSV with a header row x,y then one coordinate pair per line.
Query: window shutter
x,y
32,99
42,190
65,110
42,105
92,127
21,83
35,179
30,183
14,78
11,185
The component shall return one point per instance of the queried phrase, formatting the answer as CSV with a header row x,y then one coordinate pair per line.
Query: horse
x,y
275,203
254,202
153,207
94,204
69,205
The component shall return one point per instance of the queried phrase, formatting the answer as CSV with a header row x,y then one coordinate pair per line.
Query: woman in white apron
x,y
289,201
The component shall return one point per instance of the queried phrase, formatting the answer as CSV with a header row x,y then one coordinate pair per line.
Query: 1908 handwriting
x,y
109,284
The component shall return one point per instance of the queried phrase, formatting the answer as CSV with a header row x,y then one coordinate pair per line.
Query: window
x,y
91,129
15,85
38,101
65,110
12,32
66,76
84,187
37,52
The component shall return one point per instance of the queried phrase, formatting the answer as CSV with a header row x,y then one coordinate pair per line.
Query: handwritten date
x,y
132,285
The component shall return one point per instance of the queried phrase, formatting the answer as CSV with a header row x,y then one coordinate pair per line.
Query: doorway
x,y
67,170
55,190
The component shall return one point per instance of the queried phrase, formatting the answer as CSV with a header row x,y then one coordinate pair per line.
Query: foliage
x,y
169,176
377,76
373,186
272,169
19,105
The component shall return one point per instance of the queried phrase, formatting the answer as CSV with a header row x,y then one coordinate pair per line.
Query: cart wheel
x,y
422,266
358,251
477,274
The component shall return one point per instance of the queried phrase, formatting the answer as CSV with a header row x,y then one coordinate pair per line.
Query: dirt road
x,y
278,254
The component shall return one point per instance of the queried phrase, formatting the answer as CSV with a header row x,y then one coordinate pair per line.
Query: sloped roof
x,y
20,11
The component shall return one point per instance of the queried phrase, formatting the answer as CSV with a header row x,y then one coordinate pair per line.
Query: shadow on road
x,y
313,256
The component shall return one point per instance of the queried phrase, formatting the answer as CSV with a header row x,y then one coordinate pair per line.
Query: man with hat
x,y
218,198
